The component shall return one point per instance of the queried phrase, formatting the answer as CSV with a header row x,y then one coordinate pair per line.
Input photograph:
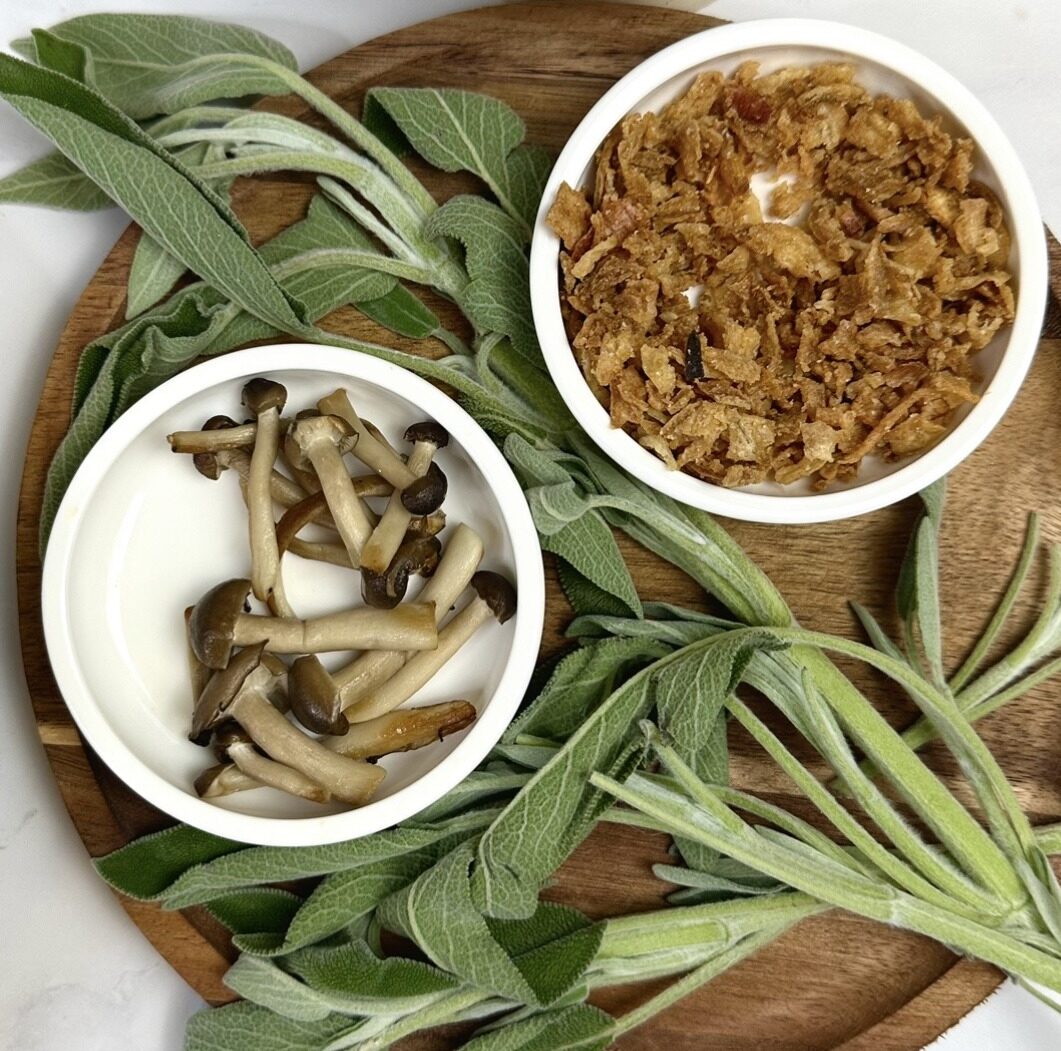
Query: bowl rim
x,y
378,814
1021,211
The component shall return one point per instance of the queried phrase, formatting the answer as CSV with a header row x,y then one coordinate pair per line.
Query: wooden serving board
x,y
836,981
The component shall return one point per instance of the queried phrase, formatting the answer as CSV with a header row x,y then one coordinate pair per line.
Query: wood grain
x,y
836,981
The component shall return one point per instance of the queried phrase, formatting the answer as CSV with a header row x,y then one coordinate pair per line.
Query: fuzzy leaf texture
x,y
463,131
151,64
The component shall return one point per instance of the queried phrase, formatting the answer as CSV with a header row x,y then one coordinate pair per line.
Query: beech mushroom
x,y
459,561
227,778
313,697
236,693
233,746
407,729
198,676
219,623
417,556
265,399
373,452
322,440
494,597
314,508
219,432
420,497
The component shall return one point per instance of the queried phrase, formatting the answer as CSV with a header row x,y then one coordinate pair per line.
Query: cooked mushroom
x,y
426,438
314,698
322,440
370,449
237,693
233,746
426,525
218,623
429,490
494,597
219,432
313,509
417,556
265,398
405,730
459,561
198,676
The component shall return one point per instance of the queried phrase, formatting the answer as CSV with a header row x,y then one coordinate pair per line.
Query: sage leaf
x,y
462,131
53,182
152,275
576,1028
246,1025
438,913
583,596
497,296
401,312
258,910
262,983
347,896
194,224
578,684
256,866
552,948
359,982
144,868
588,545
139,61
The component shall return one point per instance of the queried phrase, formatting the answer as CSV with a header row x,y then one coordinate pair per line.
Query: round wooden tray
x,y
834,982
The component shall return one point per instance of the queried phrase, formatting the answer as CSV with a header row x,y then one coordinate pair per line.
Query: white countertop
x,y
77,975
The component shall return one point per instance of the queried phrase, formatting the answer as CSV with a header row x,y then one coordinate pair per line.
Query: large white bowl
x,y
140,535
882,65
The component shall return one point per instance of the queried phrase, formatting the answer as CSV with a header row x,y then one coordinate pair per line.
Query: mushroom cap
x,y
421,554
223,688
260,395
497,592
427,493
384,590
427,431
226,734
314,697
213,621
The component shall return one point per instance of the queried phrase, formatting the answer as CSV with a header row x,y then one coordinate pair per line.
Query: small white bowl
x,y
140,535
884,66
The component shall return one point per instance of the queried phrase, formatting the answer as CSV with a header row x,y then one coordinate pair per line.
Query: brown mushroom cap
x,y
260,395
222,689
207,464
419,555
497,592
205,782
426,494
226,734
213,621
427,431
314,697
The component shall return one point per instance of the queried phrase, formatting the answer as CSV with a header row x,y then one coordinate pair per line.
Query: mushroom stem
x,y
265,771
349,780
314,508
319,438
321,551
239,436
459,561
405,730
265,399
418,670
407,627
198,675
283,490
369,449
387,537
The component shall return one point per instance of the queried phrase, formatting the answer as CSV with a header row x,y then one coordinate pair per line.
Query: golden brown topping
x,y
743,347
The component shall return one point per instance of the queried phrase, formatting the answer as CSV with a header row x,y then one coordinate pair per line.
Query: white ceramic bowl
x,y
140,535
882,65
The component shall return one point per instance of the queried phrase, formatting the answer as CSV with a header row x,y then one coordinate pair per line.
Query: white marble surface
x,y
77,975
